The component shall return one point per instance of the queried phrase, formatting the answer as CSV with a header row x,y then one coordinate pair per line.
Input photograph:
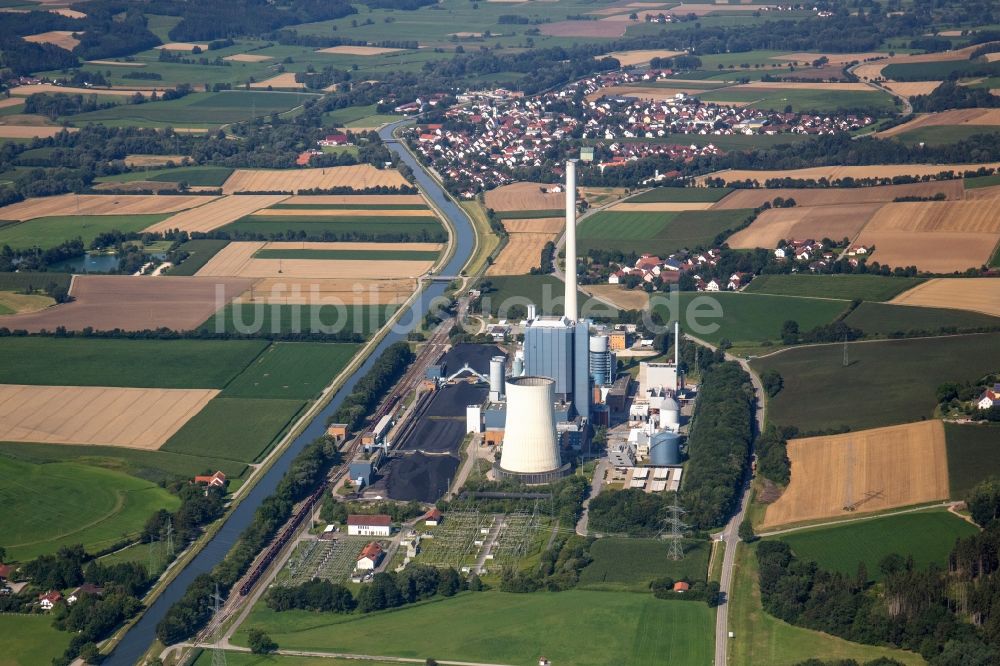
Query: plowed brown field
x,y
93,415
951,117
883,468
237,260
838,172
804,222
248,57
359,176
977,295
100,204
31,131
24,91
832,196
216,214
524,196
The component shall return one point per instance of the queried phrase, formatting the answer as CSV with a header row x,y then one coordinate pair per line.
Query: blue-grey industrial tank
x,y
665,449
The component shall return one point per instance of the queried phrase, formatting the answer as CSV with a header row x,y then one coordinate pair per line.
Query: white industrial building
x,y
373,525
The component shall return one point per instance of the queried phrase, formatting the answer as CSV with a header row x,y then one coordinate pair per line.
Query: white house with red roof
x,y
370,556
365,525
989,398
49,600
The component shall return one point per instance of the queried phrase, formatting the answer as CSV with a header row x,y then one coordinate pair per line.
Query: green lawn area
x,y
973,455
681,194
632,564
847,287
201,176
658,232
239,429
345,227
886,319
821,101
234,658
576,627
298,370
357,116
350,255
30,639
258,318
747,318
201,250
509,291
902,374
760,638
123,362
944,134
927,536
46,232
60,504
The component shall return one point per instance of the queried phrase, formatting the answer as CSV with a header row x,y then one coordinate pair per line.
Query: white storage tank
x,y
670,414
496,377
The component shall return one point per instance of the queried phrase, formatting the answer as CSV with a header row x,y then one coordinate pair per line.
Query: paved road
x,y
595,490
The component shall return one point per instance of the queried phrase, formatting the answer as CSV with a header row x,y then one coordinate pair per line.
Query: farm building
x,y
370,556
989,398
49,600
217,480
86,588
433,517
374,525
335,140
681,586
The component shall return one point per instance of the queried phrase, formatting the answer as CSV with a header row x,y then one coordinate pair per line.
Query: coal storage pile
x,y
436,436
420,477
452,400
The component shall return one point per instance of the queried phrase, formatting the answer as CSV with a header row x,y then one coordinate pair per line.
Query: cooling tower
x,y
571,307
529,442
665,449
496,377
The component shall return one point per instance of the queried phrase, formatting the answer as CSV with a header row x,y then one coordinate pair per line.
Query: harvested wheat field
x,y
68,13
326,291
116,63
522,253
32,131
941,252
359,176
140,186
535,225
912,88
624,299
218,213
976,295
356,199
982,216
100,204
342,212
802,85
237,260
991,192
358,50
525,196
641,56
950,117
64,39
285,80
839,172
803,222
871,470
832,196
153,160
248,57
662,206
135,418
182,46
832,58
24,91
584,28
644,92
107,302
10,101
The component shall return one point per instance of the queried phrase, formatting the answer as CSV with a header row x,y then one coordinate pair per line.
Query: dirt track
x,y
977,295
106,302
831,196
884,468
804,222
359,176
101,204
216,214
93,415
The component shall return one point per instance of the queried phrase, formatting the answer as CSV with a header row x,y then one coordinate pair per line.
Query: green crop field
x,y
681,195
60,504
886,319
631,564
35,281
123,362
891,382
350,255
357,116
46,232
661,233
200,176
530,214
296,370
847,287
764,639
545,291
361,227
926,536
258,318
348,206
201,250
576,627
937,71
745,318
821,101
234,658
197,109
982,181
973,455
944,134
30,639
241,429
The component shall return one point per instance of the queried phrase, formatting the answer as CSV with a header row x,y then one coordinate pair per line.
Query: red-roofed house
x,y
217,480
370,556
989,398
433,517
335,140
681,586
48,600
374,525
5,571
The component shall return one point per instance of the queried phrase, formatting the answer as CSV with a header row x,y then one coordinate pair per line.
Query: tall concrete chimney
x,y
677,355
571,306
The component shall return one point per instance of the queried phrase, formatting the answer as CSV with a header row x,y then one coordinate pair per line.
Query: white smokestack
x,y
571,307
677,355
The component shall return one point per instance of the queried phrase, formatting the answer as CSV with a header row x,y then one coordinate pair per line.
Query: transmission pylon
x,y
218,654
170,538
676,527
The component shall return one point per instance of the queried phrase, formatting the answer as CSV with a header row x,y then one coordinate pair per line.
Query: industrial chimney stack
x,y
571,306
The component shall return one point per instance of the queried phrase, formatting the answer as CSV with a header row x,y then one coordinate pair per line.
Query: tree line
x,y
386,371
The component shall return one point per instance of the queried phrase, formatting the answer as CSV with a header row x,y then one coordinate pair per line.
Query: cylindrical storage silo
x,y
665,449
600,360
529,442
496,377
518,368
670,413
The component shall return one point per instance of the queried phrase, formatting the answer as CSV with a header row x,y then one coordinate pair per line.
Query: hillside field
x,y
973,455
195,176
927,536
892,381
60,504
46,232
196,109
576,627
847,287
631,564
887,319
680,194
655,233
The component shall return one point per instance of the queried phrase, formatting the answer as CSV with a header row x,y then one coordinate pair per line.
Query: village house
x,y
989,398
333,140
49,600
86,588
217,480
370,556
